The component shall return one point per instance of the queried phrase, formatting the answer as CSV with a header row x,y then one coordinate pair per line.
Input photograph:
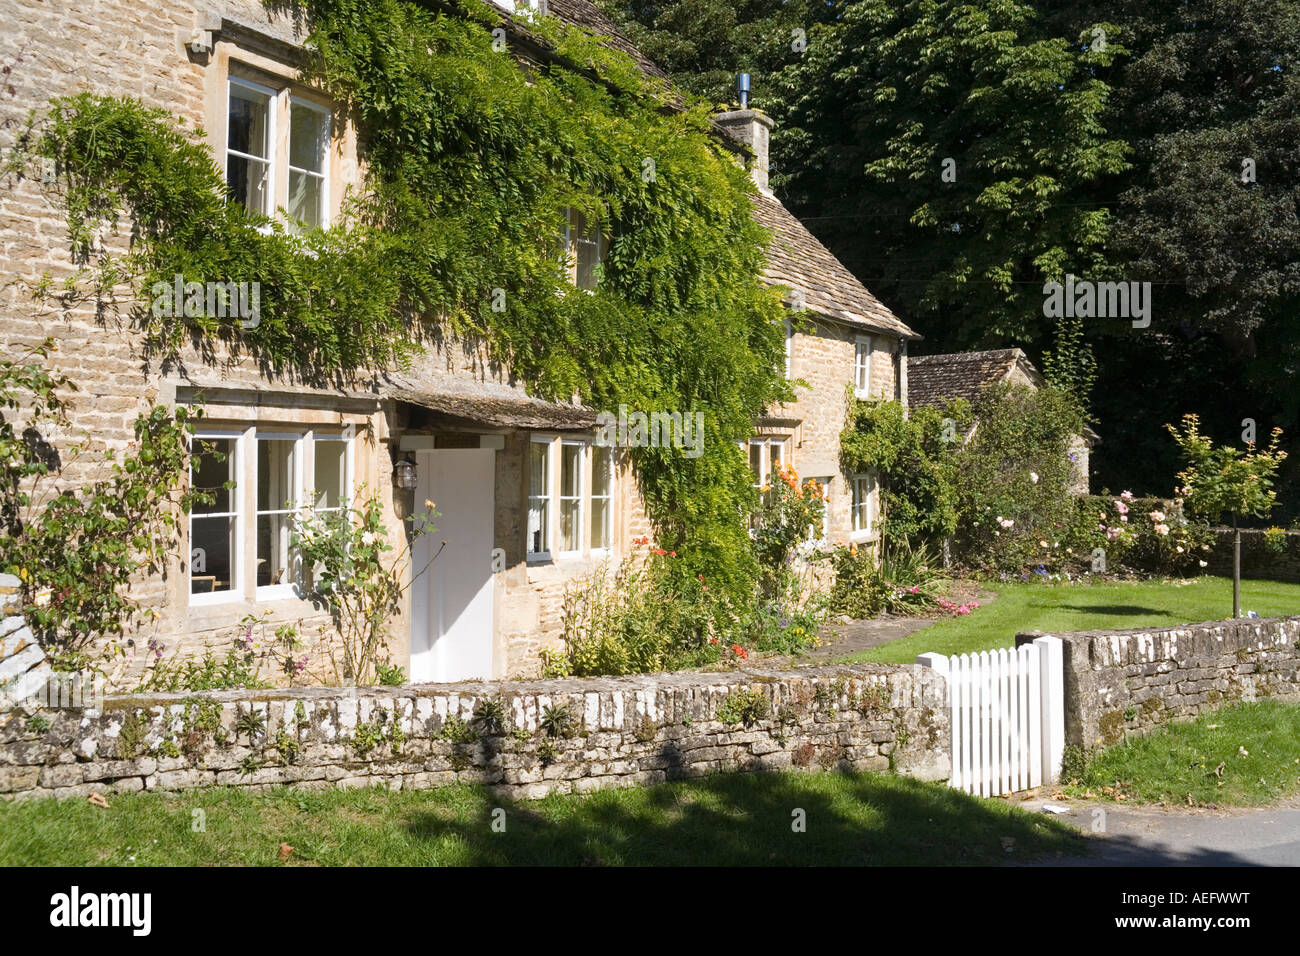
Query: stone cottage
x,y
934,380
528,501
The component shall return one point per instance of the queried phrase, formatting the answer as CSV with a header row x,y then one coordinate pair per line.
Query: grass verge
x,y
730,819
1244,755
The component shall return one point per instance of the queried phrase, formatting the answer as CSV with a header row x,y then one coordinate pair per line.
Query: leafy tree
x,y
1219,480
1205,86
939,146
703,44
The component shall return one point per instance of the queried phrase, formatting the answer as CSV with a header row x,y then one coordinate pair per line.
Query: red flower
x,y
672,554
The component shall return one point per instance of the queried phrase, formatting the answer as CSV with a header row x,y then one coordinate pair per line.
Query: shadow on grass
x,y
1118,610
747,820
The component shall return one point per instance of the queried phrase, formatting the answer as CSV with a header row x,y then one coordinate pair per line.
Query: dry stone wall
x,y
1121,683
527,738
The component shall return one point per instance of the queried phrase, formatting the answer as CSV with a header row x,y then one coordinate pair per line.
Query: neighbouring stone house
x,y
840,340
499,463
934,380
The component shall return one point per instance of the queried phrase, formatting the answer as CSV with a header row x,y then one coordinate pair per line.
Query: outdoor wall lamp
x,y
404,474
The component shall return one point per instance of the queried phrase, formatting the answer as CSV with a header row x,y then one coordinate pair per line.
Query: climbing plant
x,y
471,165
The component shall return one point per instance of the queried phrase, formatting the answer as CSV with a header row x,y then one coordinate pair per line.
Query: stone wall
x,y
1121,683
1258,558
626,731
23,668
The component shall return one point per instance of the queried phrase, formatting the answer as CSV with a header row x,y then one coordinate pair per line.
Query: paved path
x,y
1146,836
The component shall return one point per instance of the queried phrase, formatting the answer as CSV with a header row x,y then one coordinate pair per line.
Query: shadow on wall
x,y
747,820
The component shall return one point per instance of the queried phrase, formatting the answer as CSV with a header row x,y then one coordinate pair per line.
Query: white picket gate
x,y
1008,716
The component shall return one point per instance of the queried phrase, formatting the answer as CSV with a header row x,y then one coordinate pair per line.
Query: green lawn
x,y
1243,755
1047,607
735,819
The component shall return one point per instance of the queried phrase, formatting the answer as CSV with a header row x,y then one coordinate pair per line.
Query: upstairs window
x,y
585,250
250,120
264,178
309,138
862,366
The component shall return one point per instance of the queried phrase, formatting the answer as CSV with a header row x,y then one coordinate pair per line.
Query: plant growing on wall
x,y
346,553
76,525
1013,477
790,516
911,452
1220,480
471,165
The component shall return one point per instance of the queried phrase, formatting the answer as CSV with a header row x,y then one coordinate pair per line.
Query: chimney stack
x,y
751,128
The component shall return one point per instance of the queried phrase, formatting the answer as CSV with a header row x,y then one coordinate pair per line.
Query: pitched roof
x,y
935,379
797,259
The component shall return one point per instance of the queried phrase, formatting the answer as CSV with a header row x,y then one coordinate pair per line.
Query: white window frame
x,y
553,545
765,456
237,468
584,465
324,174
272,124
286,588
609,497
862,352
866,504
824,532
244,499
548,497
571,240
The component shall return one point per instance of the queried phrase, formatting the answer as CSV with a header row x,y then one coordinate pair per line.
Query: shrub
x,y
912,454
633,618
789,518
904,581
1013,478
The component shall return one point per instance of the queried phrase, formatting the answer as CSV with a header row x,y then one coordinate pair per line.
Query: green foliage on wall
x,y
913,457
471,164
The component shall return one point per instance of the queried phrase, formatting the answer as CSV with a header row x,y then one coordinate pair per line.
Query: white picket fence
x,y
1008,716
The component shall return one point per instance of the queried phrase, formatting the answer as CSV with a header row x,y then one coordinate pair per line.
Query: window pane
x,y
273,553
305,194
756,463
571,471
212,554
248,124
208,474
538,491
571,457
602,480
275,460
330,478
307,138
248,183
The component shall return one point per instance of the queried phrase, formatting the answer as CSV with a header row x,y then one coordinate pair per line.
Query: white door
x,y
451,594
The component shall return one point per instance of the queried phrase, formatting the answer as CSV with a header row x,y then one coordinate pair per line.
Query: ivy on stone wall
x,y
470,165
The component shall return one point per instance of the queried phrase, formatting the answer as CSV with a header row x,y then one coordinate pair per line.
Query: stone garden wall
x,y
1259,558
1120,683
527,738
